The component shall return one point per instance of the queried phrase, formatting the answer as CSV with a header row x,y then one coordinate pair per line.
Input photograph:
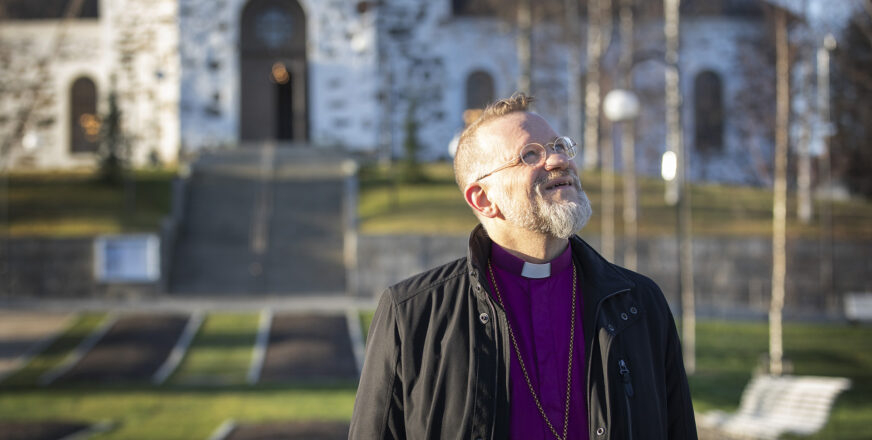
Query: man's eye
x,y
530,157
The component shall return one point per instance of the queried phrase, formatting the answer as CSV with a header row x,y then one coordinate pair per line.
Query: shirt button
x,y
600,431
633,310
610,328
624,316
484,318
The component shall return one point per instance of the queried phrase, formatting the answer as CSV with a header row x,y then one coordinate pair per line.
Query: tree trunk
x,y
675,143
779,205
598,32
524,43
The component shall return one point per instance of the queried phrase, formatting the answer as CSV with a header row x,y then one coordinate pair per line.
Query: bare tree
x,y
779,205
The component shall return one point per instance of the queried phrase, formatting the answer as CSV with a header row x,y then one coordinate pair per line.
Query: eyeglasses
x,y
535,154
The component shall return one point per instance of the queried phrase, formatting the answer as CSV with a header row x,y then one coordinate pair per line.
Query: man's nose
x,y
557,161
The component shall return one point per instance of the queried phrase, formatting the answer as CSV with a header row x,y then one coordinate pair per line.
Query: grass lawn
x,y
68,204
74,204
220,354
435,206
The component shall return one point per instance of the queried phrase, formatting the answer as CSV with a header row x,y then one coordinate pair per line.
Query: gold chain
x,y
524,369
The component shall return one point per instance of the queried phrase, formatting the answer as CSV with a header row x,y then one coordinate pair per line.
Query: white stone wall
x,y
735,51
91,48
341,60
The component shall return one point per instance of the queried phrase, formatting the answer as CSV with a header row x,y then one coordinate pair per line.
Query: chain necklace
x,y
524,368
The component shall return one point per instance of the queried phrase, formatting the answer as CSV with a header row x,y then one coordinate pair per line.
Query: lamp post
x,y
621,107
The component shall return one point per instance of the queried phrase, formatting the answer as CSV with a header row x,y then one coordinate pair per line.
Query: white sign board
x,y
127,258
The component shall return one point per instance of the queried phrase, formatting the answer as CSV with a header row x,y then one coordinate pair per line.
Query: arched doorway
x,y
273,101
84,124
479,90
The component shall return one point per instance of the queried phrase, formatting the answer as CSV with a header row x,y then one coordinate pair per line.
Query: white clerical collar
x,y
533,270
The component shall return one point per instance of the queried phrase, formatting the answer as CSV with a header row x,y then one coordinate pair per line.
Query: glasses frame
x,y
548,148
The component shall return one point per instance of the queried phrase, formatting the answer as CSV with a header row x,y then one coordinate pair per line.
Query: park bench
x,y
774,405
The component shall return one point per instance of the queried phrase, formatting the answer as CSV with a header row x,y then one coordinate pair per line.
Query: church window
x,y
84,122
708,112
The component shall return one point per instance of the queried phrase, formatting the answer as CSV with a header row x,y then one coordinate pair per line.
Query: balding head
x,y
472,158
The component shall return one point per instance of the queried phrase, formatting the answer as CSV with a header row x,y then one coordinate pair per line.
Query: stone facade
x,y
187,79
131,50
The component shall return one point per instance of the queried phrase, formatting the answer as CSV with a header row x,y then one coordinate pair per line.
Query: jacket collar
x,y
600,278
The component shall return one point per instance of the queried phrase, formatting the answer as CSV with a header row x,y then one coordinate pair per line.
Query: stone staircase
x,y
262,220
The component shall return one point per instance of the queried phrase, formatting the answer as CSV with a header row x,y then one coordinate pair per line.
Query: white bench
x,y
774,405
858,306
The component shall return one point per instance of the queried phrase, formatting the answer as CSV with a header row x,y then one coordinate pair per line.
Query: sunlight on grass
x,y
170,414
221,352
71,204
435,206
728,352
57,351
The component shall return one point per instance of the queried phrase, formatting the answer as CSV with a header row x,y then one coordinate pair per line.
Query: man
x,y
533,335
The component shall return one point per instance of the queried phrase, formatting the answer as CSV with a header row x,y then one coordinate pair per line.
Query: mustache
x,y
541,181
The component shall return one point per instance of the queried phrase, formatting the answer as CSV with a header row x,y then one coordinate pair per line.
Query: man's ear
x,y
477,198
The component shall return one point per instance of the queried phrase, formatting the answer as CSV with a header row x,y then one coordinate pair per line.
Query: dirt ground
x,y
307,347
38,430
133,349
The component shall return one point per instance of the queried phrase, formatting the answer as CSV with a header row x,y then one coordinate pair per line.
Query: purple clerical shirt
x,y
539,313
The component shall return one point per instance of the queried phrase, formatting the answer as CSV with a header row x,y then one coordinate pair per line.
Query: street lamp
x,y
621,107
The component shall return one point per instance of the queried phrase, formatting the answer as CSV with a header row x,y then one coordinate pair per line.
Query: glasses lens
x,y
532,154
565,146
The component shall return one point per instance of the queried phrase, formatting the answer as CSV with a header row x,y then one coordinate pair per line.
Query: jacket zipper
x,y
624,371
496,364
590,340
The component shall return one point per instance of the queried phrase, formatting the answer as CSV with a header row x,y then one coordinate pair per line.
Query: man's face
x,y
547,198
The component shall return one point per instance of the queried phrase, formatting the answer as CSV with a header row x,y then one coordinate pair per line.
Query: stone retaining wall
x,y
57,268
732,276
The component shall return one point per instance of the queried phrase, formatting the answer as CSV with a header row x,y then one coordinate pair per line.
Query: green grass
x,y
57,351
435,206
169,413
221,352
68,204
74,204
727,352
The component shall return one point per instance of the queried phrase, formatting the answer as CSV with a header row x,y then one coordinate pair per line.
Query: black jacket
x,y
437,358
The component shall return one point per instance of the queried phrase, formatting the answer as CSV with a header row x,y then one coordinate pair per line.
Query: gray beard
x,y
560,219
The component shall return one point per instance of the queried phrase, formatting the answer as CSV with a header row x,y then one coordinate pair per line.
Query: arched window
x,y
479,8
46,9
479,90
708,112
84,124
